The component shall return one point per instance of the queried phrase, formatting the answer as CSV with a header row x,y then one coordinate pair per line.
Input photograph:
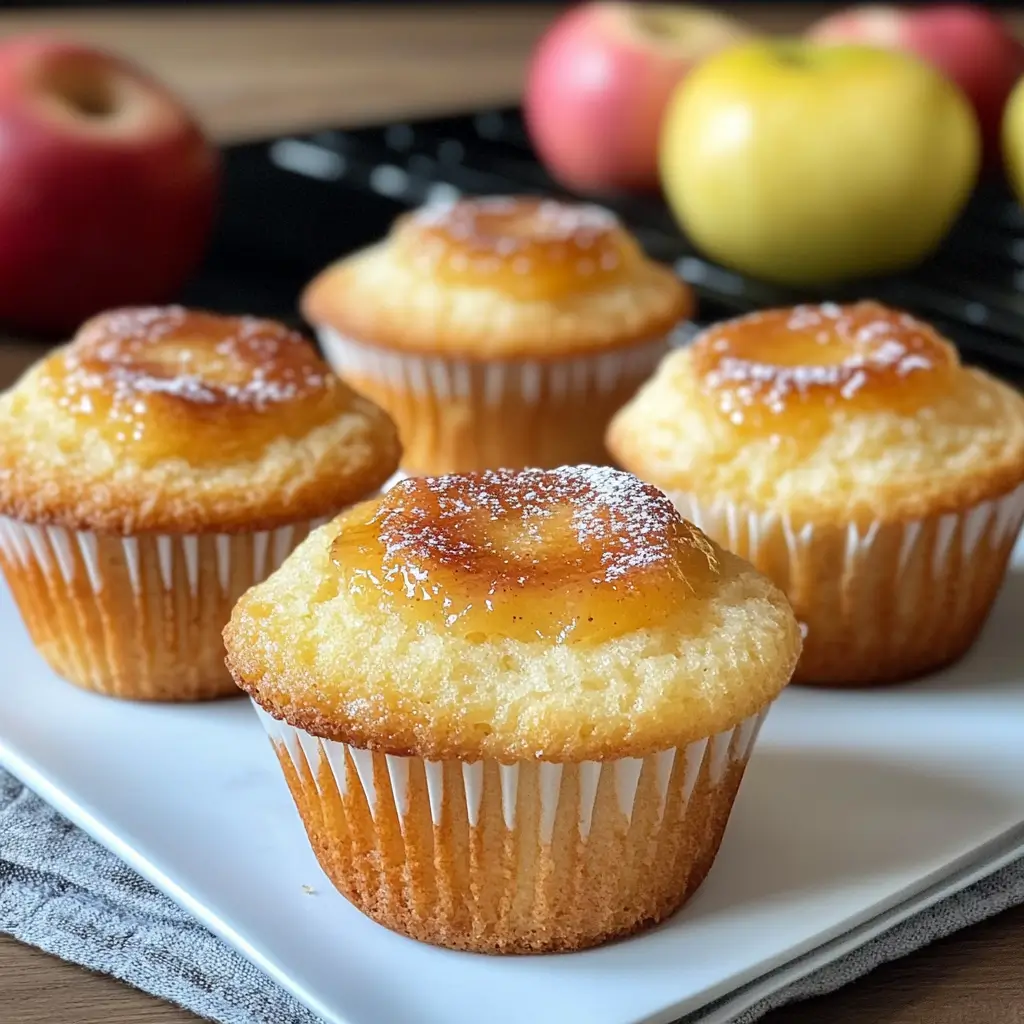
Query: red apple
x,y
967,43
107,185
600,80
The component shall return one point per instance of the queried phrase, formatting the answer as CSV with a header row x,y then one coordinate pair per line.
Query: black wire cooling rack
x,y
294,203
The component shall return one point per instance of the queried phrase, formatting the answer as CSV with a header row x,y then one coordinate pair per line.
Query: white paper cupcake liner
x,y
524,380
648,827
75,555
457,414
137,616
879,602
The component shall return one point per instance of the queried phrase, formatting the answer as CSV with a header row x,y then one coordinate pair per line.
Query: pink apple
x,y
600,80
107,185
970,45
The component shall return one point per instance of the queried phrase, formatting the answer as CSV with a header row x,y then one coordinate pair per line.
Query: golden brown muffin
x,y
847,453
153,470
514,708
500,331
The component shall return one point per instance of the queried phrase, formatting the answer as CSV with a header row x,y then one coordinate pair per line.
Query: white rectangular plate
x,y
858,808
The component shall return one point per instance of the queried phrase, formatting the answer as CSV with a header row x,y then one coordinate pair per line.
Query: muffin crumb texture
x,y
876,420
375,671
171,420
501,277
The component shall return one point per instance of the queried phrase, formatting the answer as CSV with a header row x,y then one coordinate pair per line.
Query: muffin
x,y
498,332
154,469
514,708
847,453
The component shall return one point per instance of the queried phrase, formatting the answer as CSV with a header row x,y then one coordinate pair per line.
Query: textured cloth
x,y
62,892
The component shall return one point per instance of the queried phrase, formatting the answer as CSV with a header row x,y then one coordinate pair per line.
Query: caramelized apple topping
x,y
573,555
524,247
786,370
171,383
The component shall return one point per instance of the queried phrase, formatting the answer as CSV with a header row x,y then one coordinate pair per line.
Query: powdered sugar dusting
x,y
499,220
771,358
480,238
571,555
617,525
173,382
126,357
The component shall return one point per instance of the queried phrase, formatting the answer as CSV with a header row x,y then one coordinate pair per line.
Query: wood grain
x,y
253,72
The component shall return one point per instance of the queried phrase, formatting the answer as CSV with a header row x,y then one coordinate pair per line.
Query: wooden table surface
x,y
251,72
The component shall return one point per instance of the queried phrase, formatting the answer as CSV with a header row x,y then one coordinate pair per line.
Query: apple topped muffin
x,y
848,454
524,323
513,708
152,470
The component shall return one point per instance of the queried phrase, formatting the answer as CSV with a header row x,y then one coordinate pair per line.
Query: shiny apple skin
x,y
809,165
1013,140
968,43
596,91
94,215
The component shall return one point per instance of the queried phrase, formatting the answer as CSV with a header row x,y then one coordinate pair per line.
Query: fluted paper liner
x,y
510,858
882,602
137,617
457,415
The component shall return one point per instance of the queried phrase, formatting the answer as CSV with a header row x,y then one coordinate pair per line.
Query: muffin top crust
x,y
822,412
500,277
565,614
179,421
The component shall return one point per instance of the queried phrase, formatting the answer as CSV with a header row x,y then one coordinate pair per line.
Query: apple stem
x,y
88,94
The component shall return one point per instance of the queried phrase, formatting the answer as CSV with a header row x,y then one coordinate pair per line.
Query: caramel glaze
x,y
785,372
574,555
525,248
167,382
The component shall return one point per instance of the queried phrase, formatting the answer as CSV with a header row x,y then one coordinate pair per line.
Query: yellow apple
x,y
807,164
1013,139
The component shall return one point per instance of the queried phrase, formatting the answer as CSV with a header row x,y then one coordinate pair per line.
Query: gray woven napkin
x,y
62,892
